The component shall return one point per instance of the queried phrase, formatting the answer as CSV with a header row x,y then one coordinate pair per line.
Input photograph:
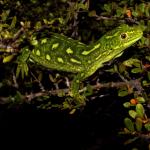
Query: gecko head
x,y
122,37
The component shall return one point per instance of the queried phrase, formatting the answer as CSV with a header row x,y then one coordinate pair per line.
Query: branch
x,y
28,98
9,45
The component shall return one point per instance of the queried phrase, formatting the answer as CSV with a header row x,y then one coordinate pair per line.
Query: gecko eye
x,y
123,35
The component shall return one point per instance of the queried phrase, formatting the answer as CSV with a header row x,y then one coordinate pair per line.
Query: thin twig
x,y
98,86
18,34
9,45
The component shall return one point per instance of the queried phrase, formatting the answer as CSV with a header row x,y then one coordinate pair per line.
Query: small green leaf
x,y
129,124
4,15
140,110
140,99
34,41
92,13
8,58
18,96
148,58
119,11
143,41
147,11
38,25
61,93
132,61
135,14
33,1
138,124
133,113
127,104
61,20
136,70
148,75
63,1
123,92
107,7
83,6
13,23
147,42
147,126
89,90
66,105
145,83
142,7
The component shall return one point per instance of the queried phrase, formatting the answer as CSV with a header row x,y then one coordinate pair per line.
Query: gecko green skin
x,y
61,53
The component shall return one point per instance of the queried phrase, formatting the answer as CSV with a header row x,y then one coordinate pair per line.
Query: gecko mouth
x,y
132,41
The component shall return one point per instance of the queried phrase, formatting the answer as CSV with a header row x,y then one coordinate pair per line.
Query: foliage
x,y
83,20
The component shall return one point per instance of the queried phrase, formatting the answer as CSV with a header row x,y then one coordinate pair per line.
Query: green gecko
x,y
61,53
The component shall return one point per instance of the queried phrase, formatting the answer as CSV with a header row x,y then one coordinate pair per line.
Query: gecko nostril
x,y
123,35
